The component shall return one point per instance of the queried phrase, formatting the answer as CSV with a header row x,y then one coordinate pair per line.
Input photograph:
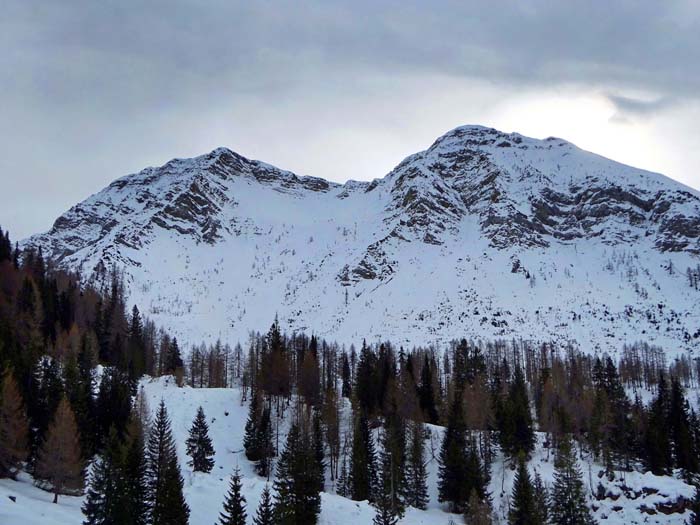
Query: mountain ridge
x,y
243,239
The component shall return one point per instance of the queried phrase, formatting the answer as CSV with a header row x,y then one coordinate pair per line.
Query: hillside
x,y
484,234
632,498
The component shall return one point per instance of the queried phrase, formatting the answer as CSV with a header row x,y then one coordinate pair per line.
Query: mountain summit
x,y
485,234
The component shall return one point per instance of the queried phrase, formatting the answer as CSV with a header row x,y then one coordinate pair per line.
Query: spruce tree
x,y
297,500
416,472
386,502
568,505
199,446
541,500
658,449
163,478
679,424
516,432
134,483
392,478
319,452
478,511
363,473
234,512
343,484
264,514
426,395
14,428
365,384
453,460
263,440
694,518
42,404
522,505
107,502
250,438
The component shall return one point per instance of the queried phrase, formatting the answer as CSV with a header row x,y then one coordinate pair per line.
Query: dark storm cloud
x,y
85,85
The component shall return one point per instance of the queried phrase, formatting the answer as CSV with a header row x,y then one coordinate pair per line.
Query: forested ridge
x,y
72,353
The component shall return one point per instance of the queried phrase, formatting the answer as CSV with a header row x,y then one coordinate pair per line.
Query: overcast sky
x,y
90,91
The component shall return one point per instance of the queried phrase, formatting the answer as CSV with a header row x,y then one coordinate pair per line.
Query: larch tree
x,y
59,467
14,428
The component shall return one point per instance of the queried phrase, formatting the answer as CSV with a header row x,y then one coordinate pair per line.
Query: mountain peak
x,y
210,243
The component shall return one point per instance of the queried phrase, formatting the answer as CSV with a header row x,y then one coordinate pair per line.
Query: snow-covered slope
x,y
484,234
631,498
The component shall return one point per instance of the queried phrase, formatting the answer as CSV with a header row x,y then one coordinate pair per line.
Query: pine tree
x,y
416,472
568,505
264,514
522,506
199,446
58,466
234,507
14,428
163,478
297,500
363,473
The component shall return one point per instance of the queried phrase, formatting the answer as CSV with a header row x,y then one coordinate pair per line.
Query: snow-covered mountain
x,y
485,234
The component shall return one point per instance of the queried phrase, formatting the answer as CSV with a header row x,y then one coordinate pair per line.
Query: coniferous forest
x,y
357,421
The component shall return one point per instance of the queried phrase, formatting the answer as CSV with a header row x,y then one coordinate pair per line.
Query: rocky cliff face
x,y
484,234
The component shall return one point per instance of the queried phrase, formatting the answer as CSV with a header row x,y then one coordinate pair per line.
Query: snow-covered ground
x,y
630,492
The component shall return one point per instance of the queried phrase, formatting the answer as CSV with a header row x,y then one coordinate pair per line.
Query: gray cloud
x,y
629,108
92,90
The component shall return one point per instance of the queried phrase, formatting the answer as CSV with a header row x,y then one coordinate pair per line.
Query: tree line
x,y
489,397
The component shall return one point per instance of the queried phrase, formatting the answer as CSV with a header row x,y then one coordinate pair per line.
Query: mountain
x,y
485,235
